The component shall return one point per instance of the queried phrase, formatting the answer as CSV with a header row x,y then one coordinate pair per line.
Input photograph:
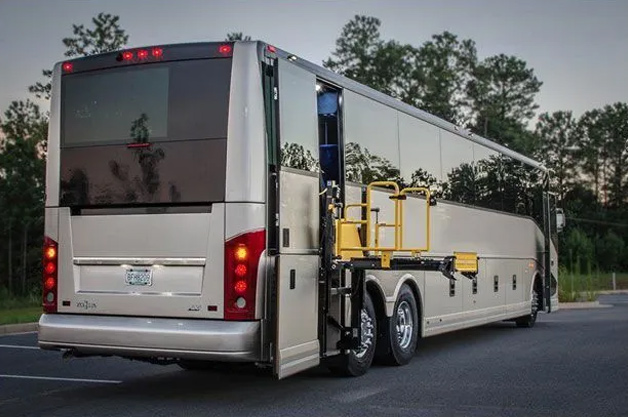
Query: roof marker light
x,y
142,54
271,48
67,67
224,49
157,52
127,55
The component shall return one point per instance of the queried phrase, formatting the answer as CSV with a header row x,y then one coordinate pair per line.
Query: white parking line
x,y
48,378
19,347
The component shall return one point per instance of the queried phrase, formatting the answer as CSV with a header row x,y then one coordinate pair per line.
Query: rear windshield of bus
x,y
145,134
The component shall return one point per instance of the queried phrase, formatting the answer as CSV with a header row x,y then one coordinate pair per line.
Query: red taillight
x,y
242,257
67,67
225,49
142,54
50,276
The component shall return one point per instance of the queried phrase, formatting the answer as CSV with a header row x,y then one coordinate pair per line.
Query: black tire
x,y
399,337
530,319
357,362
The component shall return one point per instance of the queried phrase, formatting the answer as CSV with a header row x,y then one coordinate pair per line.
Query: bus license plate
x,y
139,276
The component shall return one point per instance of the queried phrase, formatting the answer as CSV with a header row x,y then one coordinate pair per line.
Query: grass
x,y
20,315
577,285
16,309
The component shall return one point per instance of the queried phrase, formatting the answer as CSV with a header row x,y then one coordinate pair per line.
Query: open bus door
x,y
293,211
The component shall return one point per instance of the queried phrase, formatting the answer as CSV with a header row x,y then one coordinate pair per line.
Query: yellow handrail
x,y
399,198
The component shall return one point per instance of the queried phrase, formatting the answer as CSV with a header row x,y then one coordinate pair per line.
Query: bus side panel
x,y
246,163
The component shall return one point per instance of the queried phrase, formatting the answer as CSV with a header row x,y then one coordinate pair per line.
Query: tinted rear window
x,y
145,103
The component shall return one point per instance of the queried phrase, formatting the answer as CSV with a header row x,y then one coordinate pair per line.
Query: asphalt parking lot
x,y
573,363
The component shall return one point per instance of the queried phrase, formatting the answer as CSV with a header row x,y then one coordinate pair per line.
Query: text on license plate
x,y
139,276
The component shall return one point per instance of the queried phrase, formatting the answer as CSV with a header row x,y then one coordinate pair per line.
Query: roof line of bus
x,y
382,98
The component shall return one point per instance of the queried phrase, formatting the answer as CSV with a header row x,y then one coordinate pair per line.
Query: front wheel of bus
x,y
358,361
401,336
529,320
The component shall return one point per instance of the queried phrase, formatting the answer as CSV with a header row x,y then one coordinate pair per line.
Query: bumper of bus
x,y
215,340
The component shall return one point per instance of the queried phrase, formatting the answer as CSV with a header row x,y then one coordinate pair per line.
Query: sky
x,y
578,48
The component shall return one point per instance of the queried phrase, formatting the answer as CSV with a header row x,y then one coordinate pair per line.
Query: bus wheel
x,y
401,336
530,319
358,361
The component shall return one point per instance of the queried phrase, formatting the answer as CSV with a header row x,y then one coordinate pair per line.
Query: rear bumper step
x,y
229,341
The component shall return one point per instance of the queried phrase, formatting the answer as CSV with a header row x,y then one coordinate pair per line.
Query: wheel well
x,y
417,296
538,284
378,299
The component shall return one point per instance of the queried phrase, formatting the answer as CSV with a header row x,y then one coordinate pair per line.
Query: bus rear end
x,y
155,217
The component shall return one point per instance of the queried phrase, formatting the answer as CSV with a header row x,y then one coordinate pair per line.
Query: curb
x,y
18,328
582,305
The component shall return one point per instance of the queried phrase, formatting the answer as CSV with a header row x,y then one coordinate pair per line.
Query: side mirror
x,y
561,220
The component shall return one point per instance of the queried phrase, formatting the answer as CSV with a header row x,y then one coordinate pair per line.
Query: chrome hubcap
x,y
367,334
404,325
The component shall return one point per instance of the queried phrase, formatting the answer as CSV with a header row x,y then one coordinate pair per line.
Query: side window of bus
x,y
298,118
371,141
457,168
488,178
419,143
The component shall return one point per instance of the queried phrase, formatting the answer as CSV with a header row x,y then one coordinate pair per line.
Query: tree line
x,y
494,97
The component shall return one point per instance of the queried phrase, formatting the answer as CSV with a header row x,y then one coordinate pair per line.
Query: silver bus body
x,y
181,314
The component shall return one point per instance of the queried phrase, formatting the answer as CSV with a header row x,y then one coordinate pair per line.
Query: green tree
x,y
501,94
363,56
442,69
106,35
558,137
610,250
237,36
21,191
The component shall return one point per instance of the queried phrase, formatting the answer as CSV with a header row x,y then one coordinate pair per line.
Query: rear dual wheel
x,y
400,336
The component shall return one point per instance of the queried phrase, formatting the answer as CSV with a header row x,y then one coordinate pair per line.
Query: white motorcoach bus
x,y
231,202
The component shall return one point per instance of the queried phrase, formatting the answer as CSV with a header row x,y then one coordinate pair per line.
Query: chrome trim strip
x,y
165,294
140,261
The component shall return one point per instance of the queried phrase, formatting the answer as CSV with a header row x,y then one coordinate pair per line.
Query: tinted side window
x,y
298,118
488,178
457,168
371,142
420,153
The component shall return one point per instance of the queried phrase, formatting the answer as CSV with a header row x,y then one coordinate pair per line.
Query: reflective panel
x,y
371,142
457,168
298,118
420,154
